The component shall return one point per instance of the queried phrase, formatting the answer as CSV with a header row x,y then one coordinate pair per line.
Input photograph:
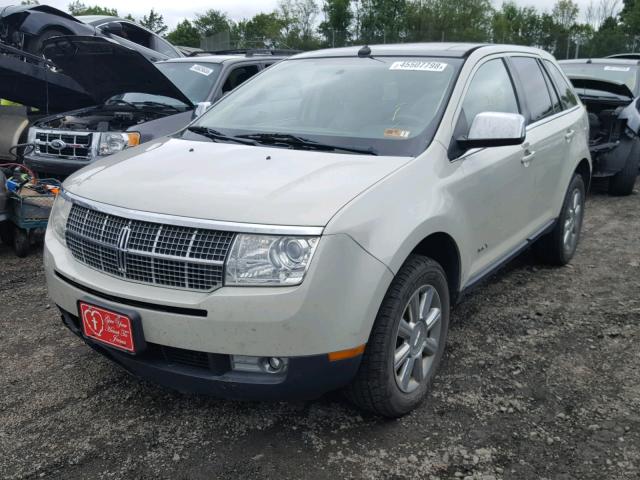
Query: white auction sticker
x,y
616,69
419,66
202,70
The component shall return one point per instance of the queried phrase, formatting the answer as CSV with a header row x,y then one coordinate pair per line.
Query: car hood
x,y
230,182
105,68
588,83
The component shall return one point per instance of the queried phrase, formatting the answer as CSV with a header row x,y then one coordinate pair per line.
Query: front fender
x,y
37,22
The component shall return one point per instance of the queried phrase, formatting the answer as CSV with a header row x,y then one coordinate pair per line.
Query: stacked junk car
x,y
81,89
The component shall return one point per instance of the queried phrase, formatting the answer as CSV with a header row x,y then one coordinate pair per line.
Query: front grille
x,y
152,253
76,146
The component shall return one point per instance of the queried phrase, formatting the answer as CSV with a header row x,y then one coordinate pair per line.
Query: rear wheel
x,y
622,183
559,246
35,45
407,341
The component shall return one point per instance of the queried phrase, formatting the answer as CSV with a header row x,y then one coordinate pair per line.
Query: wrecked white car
x,y
610,89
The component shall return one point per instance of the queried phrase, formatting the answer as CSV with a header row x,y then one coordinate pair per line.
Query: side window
x,y
557,104
535,87
490,90
238,76
566,92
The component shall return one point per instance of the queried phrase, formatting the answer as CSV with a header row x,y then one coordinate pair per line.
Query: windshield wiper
x,y
217,136
295,141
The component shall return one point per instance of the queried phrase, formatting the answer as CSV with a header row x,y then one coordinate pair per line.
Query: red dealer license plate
x,y
110,328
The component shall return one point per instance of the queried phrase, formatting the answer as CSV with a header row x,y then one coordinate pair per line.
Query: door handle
x,y
528,156
569,135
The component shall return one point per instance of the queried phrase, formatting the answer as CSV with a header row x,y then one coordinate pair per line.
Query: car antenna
x,y
364,52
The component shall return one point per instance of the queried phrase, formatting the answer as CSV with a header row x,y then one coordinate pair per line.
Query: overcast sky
x,y
176,10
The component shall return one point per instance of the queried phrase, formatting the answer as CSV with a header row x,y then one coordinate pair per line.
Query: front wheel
x,y
559,246
21,242
407,341
36,44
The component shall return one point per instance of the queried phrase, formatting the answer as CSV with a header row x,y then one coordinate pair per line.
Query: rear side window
x,y
566,92
238,76
490,90
535,87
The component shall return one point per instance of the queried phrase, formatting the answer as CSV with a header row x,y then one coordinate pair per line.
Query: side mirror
x,y
494,129
113,28
201,107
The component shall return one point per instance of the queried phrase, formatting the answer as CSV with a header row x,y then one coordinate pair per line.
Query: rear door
x,y
498,187
548,132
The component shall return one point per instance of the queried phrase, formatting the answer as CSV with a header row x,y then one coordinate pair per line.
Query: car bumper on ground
x,y
331,311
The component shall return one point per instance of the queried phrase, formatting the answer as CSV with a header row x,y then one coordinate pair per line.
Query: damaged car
x,y
27,27
134,100
610,89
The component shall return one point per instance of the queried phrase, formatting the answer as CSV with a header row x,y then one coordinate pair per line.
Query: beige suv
x,y
313,228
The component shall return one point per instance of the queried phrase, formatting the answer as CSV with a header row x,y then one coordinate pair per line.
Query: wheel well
x,y
584,169
444,250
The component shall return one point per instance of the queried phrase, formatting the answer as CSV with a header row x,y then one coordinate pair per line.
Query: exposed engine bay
x,y
101,119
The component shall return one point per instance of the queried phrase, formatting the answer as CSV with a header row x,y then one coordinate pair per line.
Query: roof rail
x,y
249,52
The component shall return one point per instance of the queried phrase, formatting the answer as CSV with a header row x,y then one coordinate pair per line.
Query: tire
x,y
6,233
552,248
622,183
35,45
379,386
21,242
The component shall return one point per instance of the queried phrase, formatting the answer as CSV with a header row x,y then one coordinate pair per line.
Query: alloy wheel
x,y
417,338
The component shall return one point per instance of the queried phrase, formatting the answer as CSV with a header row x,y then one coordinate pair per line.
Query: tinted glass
x,y
238,76
566,92
490,90
390,104
557,104
535,87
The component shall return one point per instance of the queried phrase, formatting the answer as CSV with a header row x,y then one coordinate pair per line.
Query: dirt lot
x,y
541,381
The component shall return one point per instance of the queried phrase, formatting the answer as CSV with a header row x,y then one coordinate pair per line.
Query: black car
x,y
28,27
610,89
133,100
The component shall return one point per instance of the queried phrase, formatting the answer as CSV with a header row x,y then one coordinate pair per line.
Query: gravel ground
x,y
541,381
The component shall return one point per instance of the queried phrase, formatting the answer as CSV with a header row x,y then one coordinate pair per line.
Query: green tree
x,y
264,30
185,34
299,20
77,8
336,27
154,22
212,22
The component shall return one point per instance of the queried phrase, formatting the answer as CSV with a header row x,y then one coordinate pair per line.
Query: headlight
x,y
113,142
59,216
269,260
31,136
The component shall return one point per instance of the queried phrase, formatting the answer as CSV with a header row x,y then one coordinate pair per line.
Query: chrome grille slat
x,y
79,145
157,254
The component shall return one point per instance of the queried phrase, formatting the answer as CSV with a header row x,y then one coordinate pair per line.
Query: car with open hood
x,y
132,100
610,89
325,218
27,27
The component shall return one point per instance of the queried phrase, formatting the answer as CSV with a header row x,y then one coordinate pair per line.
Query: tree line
x,y
604,27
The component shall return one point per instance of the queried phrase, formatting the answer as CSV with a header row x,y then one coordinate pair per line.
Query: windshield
x,y
626,74
389,105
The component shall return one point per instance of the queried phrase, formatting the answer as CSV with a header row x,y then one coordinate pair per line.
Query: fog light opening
x,y
270,365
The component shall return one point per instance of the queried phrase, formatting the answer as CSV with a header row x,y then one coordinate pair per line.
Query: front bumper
x,y
194,372
54,166
332,310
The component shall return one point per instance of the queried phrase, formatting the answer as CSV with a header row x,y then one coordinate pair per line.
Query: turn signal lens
x,y
134,139
345,354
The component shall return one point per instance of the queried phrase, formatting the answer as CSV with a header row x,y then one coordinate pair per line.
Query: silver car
x,y
312,230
